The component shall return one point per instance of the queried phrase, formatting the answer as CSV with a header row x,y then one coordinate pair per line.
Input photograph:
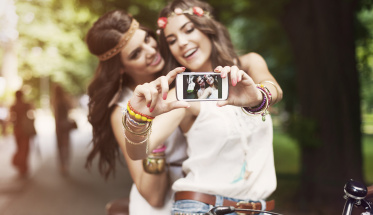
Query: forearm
x,y
153,187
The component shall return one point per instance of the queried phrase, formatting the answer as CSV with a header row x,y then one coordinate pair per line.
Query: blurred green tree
x,y
51,44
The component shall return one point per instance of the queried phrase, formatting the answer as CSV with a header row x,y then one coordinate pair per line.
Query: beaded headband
x,y
122,42
162,21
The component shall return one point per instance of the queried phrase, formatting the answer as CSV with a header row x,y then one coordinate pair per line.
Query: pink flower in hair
x,y
198,11
178,11
162,22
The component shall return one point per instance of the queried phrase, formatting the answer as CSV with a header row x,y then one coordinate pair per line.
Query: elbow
x,y
155,201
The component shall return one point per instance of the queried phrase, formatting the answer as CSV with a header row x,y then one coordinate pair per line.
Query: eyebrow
x,y
181,28
138,48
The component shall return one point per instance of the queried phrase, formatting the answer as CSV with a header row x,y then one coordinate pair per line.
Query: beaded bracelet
x,y
275,86
132,121
137,114
263,108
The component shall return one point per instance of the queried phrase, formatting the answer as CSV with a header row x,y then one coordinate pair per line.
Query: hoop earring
x,y
115,98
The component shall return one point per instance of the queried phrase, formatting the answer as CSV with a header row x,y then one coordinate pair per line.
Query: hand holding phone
x,y
201,86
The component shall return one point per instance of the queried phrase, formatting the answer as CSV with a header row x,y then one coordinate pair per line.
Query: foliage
x,y
51,43
364,52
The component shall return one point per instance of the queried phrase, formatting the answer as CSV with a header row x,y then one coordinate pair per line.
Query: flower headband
x,y
162,21
122,42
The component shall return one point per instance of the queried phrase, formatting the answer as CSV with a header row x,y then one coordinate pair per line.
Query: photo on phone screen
x,y
201,86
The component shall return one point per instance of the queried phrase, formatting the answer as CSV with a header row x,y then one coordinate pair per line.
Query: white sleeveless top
x,y
175,154
229,154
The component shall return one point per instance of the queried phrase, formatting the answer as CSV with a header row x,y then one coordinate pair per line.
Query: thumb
x,y
177,104
222,103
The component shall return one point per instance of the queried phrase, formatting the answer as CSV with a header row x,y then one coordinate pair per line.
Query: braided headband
x,y
122,42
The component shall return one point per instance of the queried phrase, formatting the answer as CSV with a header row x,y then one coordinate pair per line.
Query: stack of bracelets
x,y
262,109
141,128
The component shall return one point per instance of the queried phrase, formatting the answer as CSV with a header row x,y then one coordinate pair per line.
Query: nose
x,y
182,41
150,50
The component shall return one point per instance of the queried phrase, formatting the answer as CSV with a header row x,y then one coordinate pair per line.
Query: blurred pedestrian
x,y
22,117
62,105
4,114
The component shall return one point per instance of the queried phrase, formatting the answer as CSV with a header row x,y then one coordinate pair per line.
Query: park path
x,y
46,192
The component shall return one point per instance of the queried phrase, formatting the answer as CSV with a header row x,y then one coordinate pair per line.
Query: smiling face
x,y
190,47
200,81
141,56
209,79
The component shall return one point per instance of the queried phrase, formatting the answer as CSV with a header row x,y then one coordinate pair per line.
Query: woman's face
x,y
141,56
209,79
190,47
200,81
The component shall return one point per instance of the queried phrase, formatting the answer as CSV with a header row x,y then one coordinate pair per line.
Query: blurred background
x,y
320,52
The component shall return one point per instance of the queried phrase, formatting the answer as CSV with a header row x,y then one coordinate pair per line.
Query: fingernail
x,y
164,96
151,110
182,68
234,82
148,105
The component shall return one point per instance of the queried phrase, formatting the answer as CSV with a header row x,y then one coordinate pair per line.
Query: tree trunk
x,y
321,33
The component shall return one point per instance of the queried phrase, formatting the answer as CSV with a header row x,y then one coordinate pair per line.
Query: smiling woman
x,y
222,137
129,56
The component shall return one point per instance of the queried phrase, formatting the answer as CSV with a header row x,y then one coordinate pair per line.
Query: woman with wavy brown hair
x,y
128,56
230,154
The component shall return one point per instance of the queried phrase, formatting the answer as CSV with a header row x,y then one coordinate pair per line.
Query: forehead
x,y
136,40
174,23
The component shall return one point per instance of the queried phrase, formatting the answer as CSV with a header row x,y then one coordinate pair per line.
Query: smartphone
x,y
201,86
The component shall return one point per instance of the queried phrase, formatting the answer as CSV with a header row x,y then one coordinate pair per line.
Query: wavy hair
x,y
222,53
101,37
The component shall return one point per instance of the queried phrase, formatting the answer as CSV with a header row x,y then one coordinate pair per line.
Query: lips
x,y
157,59
190,52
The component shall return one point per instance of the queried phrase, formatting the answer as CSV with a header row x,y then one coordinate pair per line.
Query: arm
x,y
206,93
257,69
153,187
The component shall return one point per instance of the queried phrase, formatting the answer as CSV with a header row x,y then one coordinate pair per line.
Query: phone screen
x,y
202,86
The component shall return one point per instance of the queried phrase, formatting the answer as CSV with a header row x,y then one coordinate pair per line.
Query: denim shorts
x,y
191,207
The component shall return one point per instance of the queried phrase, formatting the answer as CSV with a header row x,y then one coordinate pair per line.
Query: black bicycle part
x,y
355,192
220,210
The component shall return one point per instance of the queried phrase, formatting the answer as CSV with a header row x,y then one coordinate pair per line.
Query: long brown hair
x,y
102,36
222,48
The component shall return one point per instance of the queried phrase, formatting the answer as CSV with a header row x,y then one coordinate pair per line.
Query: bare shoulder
x,y
252,61
116,116
251,58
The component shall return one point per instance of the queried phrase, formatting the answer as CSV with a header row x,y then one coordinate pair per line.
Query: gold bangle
x,y
153,165
124,122
138,143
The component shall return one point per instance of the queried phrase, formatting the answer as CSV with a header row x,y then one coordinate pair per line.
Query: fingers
x,y
222,103
164,87
234,72
172,74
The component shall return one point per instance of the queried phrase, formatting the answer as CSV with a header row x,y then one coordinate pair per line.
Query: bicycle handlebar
x,y
357,194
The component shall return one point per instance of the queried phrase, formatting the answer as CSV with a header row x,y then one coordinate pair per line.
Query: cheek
x,y
174,51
